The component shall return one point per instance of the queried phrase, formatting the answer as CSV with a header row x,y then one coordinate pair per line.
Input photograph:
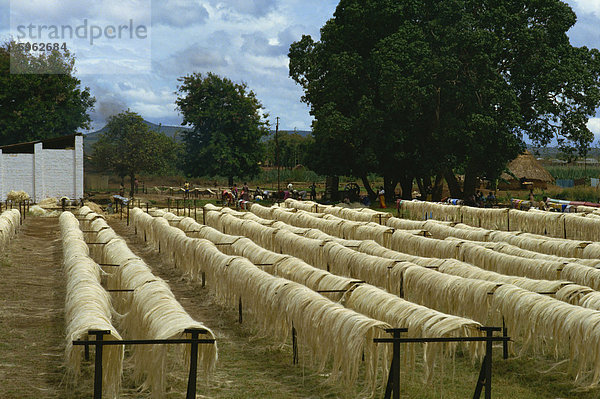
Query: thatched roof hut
x,y
527,169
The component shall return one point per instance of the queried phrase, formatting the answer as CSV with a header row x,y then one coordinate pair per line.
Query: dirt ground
x,y
31,313
32,335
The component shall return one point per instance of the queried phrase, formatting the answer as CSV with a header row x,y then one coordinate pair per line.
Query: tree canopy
x,y
40,98
227,127
129,147
423,88
294,149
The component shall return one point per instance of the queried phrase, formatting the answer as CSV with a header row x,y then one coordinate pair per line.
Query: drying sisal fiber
x,y
87,306
17,196
422,321
475,255
328,330
476,299
150,312
357,214
554,224
9,225
347,262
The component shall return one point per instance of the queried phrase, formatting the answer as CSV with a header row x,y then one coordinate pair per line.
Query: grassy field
x,y
573,172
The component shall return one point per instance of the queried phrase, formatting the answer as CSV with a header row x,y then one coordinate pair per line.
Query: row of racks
x,y
392,390
99,343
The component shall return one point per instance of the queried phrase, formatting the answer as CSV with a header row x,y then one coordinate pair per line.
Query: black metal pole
x,y
294,345
480,381
191,388
488,365
98,363
396,365
504,343
240,311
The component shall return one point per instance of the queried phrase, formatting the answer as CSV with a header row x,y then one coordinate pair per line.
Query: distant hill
x,y
172,131
554,152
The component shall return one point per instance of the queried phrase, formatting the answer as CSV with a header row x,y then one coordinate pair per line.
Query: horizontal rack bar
x,y
146,342
442,339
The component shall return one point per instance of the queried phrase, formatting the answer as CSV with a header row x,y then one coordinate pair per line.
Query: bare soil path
x,y
31,313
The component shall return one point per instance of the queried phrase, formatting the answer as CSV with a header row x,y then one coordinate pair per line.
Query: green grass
x,y
4,263
573,172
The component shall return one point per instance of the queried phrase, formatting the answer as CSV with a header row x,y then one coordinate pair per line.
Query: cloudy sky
x,y
245,40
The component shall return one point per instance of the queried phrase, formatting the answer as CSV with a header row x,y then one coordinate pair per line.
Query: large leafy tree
x,y
129,147
294,149
40,97
227,127
422,88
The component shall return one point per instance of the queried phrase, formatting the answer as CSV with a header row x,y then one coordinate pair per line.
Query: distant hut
x,y
529,173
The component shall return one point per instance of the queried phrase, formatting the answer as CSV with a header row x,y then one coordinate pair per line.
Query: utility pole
x,y
277,156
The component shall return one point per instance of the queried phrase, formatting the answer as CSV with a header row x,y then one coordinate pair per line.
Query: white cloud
x,y
594,125
178,13
586,6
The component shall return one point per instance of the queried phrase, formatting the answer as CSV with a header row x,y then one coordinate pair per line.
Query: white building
x,y
43,169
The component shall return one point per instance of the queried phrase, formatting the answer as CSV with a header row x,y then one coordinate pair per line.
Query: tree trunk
x,y
372,194
453,184
389,185
438,187
406,184
230,181
471,183
425,188
421,185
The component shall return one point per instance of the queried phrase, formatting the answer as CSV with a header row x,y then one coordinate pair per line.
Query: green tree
x,y
294,149
227,127
39,96
129,147
417,89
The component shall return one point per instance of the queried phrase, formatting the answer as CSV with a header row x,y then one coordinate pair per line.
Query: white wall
x,y
17,173
46,173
